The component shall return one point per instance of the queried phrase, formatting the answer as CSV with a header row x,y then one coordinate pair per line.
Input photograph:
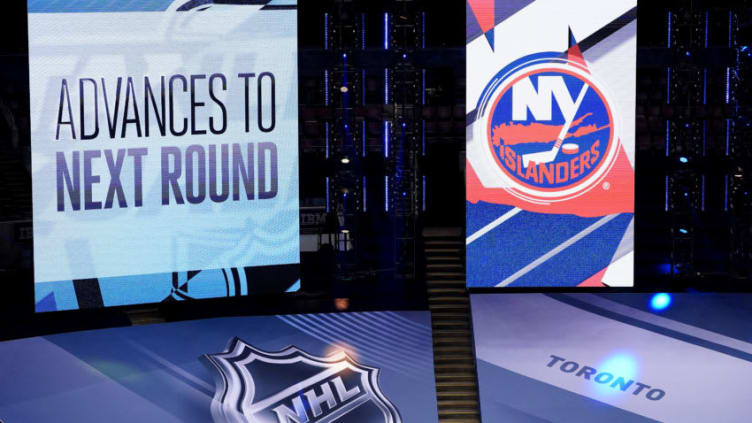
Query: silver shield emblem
x,y
292,386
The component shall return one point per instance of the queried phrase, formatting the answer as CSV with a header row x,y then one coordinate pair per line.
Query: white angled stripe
x,y
566,244
334,336
354,333
407,321
393,334
174,367
506,216
663,322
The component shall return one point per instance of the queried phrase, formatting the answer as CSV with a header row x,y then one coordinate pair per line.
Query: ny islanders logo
x,y
550,127
292,386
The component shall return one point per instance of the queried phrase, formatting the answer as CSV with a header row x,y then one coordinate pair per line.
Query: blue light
x,y
423,93
386,138
731,14
683,159
728,84
344,55
386,85
404,55
386,193
621,364
424,192
684,231
688,53
362,31
423,29
386,31
660,301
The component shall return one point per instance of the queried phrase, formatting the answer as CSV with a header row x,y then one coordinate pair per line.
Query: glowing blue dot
x,y
660,301
688,54
346,126
683,159
621,364
684,231
344,55
404,55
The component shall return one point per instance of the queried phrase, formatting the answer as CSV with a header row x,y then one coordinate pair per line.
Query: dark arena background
x,y
381,143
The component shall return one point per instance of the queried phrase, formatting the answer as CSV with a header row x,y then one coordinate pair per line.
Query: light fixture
x,y
660,301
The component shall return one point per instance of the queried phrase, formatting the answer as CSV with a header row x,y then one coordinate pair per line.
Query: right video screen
x,y
550,143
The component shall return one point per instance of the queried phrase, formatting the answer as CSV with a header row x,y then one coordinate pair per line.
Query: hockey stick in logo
x,y
549,156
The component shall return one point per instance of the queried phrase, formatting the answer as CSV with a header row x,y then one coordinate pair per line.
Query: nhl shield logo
x,y
292,386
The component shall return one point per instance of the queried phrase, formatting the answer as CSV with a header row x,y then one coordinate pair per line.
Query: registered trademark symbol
x,y
606,185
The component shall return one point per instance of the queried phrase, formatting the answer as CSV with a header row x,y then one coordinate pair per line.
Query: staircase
x,y
454,362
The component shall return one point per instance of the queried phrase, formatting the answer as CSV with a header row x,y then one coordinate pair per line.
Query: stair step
x,y
443,243
451,231
457,394
442,274
441,259
456,299
449,307
443,249
443,266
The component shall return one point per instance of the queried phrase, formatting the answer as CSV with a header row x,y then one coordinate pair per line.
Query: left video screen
x,y
164,150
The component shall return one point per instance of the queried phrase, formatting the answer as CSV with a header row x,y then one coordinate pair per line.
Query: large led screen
x,y
164,150
345,367
584,358
550,142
